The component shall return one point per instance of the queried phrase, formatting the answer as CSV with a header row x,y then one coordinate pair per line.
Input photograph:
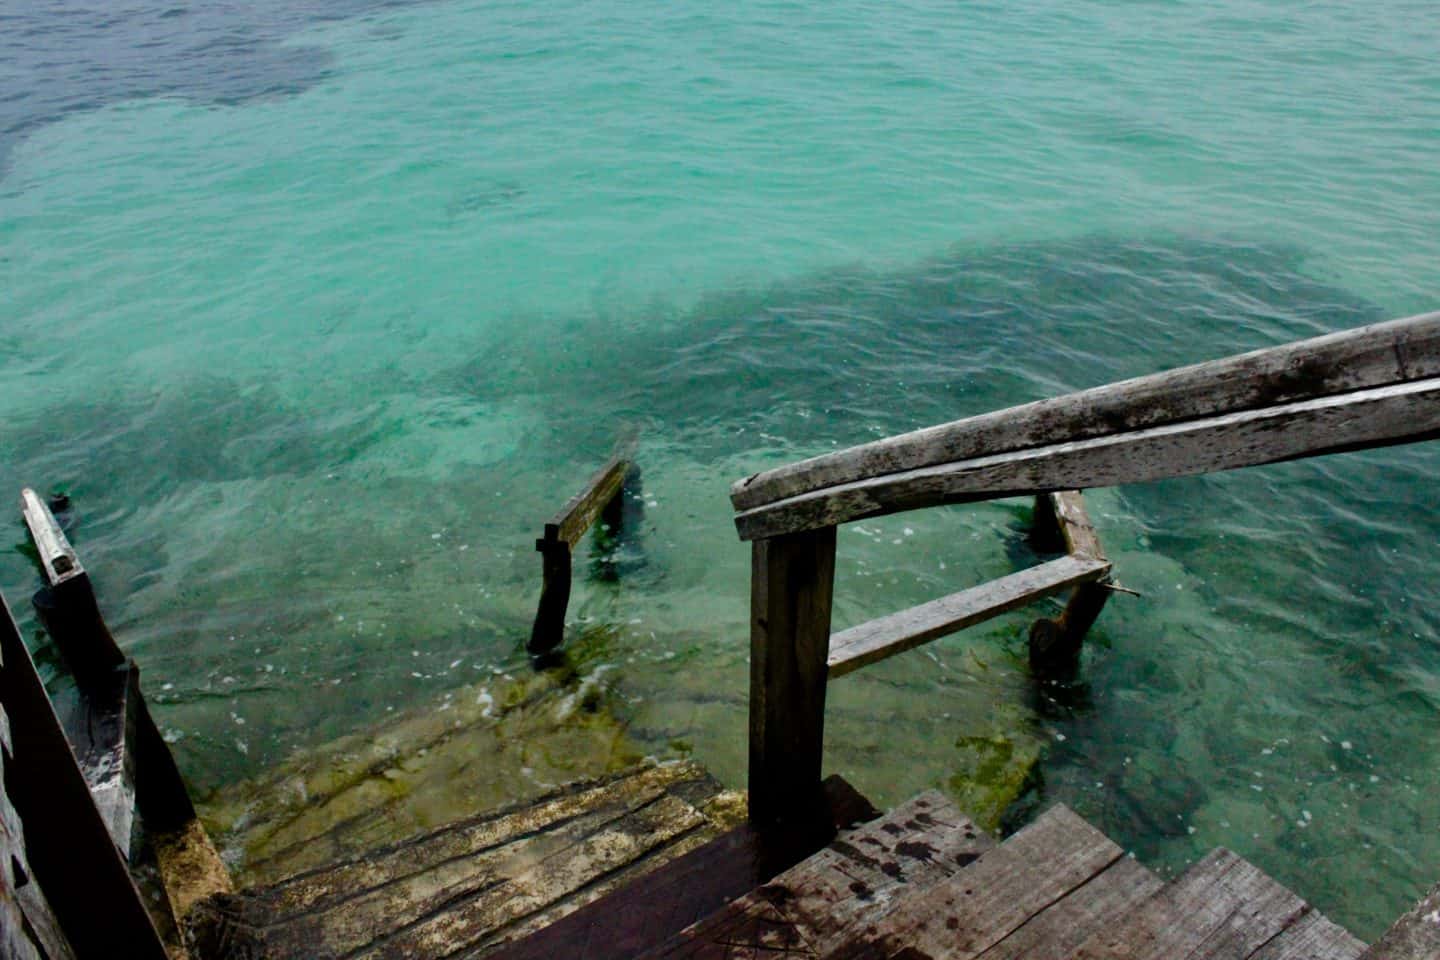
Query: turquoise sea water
x,y
318,313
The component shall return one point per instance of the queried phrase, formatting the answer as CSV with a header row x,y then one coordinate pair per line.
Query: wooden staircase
x,y
924,882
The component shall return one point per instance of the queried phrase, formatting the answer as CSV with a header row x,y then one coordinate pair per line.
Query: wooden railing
x,y
1369,387
80,784
602,498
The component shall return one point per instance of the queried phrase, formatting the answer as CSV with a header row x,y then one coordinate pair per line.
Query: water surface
x,y
318,311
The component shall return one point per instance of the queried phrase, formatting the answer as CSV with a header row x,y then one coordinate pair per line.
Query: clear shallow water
x,y
317,320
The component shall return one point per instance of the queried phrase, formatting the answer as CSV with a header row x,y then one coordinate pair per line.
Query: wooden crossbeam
x,y
884,637
1381,416
1378,355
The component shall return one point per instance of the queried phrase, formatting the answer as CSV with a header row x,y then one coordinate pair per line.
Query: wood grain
x,y
884,637
1366,357
1400,413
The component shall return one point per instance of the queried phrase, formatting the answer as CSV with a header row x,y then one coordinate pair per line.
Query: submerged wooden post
x,y
565,531
1055,644
791,586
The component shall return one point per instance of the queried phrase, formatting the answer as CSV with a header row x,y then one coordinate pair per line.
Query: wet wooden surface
x,y
474,884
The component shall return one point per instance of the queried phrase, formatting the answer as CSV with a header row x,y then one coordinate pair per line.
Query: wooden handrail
x,y
908,471
1370,387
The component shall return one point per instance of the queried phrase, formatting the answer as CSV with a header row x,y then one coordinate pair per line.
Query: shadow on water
x,y
66,56
315,515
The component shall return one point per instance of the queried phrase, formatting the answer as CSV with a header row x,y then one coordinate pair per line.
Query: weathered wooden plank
x,y
484,915
1415,936
1073,520
56,555
886,636
1057,931
317,889
791,584
1401,413
809,909
71,853
962,917
100,726
1221,908
1312,937
646,912
572,521
1366,357
565,531
16,942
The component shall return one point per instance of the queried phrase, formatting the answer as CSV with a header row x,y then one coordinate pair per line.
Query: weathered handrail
x,y
1361,387
1373,386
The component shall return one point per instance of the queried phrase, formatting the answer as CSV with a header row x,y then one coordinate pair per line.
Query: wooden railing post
x,y
792,581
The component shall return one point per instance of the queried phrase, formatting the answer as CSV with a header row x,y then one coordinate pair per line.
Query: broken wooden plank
x,y
1312,937
1055,932
57,557
1223,907
969,913
565,531
886,636
1399,413
1371,356
72,855
572,521
1415,936
792,581
809,909
637,916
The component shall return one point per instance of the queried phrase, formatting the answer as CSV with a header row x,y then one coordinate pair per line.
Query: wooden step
x,y
809,909
473,882
975,910
1223,907
648,912
1415,936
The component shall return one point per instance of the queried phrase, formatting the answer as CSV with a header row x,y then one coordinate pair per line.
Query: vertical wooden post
x,y
548,631
792,582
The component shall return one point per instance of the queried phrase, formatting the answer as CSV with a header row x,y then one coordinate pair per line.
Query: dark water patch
x,y
60,57
854,353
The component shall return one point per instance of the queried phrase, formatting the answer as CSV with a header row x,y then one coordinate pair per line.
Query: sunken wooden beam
x,y
565,531
71,854
878,639
791,586
1055,644
1383,416
1373,356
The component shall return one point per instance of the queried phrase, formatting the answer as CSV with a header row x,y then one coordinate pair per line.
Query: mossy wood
x,y
565,531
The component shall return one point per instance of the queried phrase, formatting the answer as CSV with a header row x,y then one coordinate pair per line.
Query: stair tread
x,y
473,881
808,909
